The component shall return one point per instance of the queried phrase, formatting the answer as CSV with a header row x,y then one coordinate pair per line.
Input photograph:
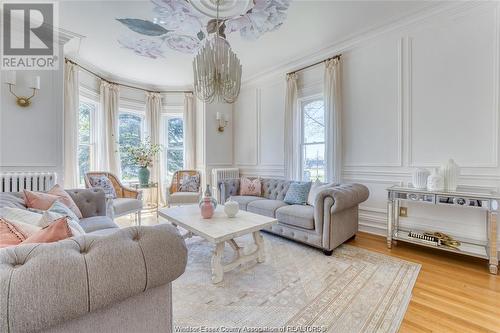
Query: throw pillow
x,y
39,200
189,184
297,193
104,183
56,231
315,188
9,235
60,208
50,216
9,200
66,199
25,228
21,215
250,187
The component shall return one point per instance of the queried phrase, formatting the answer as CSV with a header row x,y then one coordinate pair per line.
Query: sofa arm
x,y
227,188
42,285
344,196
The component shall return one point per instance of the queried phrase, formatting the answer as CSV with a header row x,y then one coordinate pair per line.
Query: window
x,y
130,133
313,139
86,122
173,129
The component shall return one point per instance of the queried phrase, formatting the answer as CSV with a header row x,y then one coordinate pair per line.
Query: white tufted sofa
x,y
330,222
115,283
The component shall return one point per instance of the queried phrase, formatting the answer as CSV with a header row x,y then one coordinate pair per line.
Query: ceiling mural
x,y
176,25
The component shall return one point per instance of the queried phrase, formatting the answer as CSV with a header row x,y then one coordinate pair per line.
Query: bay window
x,y
131,126
173,143
86,137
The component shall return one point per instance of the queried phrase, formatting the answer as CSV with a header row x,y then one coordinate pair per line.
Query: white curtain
x,y
333,114
153,121
292,129
71,110
108,149
189,132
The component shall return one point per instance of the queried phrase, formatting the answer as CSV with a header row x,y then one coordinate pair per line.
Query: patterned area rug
x,y
296,289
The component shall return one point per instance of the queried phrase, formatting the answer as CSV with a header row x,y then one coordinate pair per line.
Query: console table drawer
x,y
421,197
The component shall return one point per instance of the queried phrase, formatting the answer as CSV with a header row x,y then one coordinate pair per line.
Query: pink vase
x,y
207,208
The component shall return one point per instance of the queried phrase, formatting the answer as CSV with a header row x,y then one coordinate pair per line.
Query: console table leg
x,y
492,242
259,241
390,213
217,269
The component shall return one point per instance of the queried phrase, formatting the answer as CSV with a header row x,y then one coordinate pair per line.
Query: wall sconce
x,y
22,100
221,121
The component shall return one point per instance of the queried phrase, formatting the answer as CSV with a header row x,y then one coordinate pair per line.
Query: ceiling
x,y
310,26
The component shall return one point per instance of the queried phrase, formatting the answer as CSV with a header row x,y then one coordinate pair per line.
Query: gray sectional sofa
x,y
108,280
330,222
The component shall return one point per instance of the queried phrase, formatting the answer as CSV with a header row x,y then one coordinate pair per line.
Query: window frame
x,y
135,112
85,99
303,101
164,140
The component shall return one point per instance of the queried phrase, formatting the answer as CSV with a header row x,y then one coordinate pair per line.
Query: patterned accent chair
x,y
177,196
127,201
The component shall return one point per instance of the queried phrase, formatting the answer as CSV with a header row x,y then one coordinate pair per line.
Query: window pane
x,y
84,122
130,128
175,160
83,161
175,133
314,122
314,162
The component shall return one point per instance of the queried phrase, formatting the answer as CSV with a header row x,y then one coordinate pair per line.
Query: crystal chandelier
x,y
217,69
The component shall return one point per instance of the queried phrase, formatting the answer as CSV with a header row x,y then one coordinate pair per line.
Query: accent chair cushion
x,y
104,183
66,200
265,207
91,224
9,235
300,216
56,231
250,187
190,184
123,206
183,198
244,200
39,200
297,193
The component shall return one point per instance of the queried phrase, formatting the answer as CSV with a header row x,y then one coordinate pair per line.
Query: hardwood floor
x,y
453,293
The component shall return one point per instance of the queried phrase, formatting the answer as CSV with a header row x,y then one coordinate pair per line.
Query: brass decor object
x,y
484,200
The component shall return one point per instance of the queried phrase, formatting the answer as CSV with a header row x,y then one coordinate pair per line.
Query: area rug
x,y
297,289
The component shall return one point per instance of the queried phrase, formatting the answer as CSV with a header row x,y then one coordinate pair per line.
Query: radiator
x,y
33,181
220,174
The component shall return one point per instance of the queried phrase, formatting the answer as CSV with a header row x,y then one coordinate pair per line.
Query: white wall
x,y
414,94
31,138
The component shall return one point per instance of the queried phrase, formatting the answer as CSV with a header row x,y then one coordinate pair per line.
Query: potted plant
x,y
143,155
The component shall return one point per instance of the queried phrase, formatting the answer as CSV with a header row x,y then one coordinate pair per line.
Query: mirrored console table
x,y
487,201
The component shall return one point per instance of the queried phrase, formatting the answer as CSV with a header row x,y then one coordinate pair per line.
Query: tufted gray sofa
x,y
109,280
330,222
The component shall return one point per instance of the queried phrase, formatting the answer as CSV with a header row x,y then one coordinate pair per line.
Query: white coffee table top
x,y
220,227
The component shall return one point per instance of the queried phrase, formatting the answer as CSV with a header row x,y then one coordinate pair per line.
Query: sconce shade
x,y
36,83
10,78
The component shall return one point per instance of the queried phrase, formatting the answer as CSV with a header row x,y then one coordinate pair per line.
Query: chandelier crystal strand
x,y
217,71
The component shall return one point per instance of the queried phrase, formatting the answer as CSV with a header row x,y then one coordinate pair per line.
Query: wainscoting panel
x,y
246,128
271,115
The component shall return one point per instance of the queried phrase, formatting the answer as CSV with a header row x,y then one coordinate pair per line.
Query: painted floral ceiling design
x,y
176,25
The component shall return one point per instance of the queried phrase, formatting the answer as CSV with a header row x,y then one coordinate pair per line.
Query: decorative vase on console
x,y
435,182
450,172
143,175
207,204
419,178
231,207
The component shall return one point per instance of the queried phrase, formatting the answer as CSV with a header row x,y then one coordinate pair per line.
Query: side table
x,y
154,202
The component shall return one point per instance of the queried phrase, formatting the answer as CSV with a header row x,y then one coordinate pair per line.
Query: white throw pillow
x,y
49,217
20,215
313,191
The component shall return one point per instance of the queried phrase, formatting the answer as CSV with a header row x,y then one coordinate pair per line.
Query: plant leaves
x,y
200,35
143,27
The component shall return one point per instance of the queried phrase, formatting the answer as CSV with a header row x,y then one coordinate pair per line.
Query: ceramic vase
x,y
450,173
207,208
231,208
419,178
143,175
435,182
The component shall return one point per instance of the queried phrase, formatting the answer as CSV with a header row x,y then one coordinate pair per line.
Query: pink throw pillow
x,y
39,200
66,199
9,235
56,231
250,187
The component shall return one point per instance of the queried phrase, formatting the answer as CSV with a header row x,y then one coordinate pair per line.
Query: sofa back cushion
x,y
91,202
274,189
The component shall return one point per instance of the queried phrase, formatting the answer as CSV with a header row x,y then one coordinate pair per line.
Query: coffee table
x,y
219,230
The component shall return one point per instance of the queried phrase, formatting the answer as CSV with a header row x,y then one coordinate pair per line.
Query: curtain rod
x,y
124,85
316,63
